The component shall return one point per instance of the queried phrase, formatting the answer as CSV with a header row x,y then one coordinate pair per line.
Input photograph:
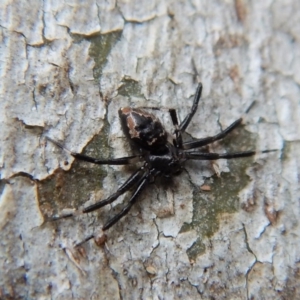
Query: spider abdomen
x,y
143,129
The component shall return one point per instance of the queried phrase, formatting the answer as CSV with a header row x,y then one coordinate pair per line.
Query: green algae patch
x,y
101,45
130,88
72,188
222,198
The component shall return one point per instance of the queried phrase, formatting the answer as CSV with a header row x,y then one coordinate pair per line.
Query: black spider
x,y
162,156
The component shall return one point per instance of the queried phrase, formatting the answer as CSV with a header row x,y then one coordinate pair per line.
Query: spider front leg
x,y
179,129
185,123
114,161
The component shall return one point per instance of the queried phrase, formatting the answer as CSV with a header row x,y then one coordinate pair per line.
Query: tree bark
x,y
222,230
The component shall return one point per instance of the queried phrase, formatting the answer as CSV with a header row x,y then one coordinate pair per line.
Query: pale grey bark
x,y
66,68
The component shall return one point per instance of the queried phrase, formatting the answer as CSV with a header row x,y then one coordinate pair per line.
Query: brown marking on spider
x,y
205,188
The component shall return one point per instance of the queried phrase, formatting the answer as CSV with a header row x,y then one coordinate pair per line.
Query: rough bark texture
x,y
66,68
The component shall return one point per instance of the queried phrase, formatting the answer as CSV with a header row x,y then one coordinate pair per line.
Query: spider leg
x,y
126,209
185,123
142,184
114,161
211,139
85,240
214,156
131,181
178,133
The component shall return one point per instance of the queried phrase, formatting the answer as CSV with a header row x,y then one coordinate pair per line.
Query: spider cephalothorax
x,y
161,156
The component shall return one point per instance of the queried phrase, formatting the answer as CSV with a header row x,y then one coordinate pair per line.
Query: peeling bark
x,y
66,68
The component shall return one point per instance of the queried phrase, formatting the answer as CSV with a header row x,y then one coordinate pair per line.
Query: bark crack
x,y
253,264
